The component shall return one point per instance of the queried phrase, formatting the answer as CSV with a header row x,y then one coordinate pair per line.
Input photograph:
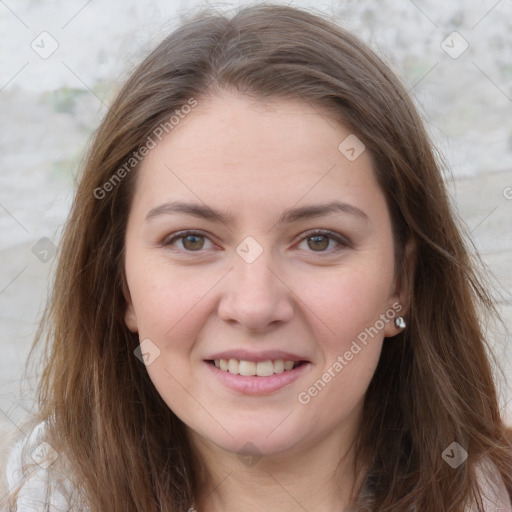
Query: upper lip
x,y
246,355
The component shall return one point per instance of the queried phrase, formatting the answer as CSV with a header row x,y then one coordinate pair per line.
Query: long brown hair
x,y
124,449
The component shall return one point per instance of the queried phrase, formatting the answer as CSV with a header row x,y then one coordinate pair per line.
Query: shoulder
x,y
495,496
30,476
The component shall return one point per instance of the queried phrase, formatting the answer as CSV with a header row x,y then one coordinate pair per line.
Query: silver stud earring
x,y
400,322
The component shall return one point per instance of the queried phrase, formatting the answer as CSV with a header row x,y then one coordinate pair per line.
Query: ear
x,y
399,302
130,318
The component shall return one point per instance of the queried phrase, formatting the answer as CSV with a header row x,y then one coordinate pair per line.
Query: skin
x,y
254,161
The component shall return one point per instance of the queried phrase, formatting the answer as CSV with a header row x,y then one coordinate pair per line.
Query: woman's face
x,y
290,263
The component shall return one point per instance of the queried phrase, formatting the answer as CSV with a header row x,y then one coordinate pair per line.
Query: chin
x,y
255,439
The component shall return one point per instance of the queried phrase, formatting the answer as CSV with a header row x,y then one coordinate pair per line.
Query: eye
x,y
320,240
191,241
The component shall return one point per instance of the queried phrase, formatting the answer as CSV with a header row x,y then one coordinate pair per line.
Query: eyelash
x,y
342,241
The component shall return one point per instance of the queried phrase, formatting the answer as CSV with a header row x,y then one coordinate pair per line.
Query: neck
x,y
319,478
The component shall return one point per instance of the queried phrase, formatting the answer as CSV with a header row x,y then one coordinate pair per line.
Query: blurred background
x,y
61,63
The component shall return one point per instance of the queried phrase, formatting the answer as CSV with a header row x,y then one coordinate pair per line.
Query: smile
x,y
253,368
257,378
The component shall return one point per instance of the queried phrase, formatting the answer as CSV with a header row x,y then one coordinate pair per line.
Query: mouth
x,y
257,378
247,368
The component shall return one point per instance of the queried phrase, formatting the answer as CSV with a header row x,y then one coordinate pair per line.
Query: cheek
x,y
346,310
165,297
172,306
348,301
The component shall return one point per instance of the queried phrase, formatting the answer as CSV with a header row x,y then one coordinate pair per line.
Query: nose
x,y
256,297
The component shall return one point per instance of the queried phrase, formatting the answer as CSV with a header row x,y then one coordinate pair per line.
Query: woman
x,y
262,299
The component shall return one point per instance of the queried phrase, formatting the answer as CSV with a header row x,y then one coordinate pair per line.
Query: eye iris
x,y
319,242
193,242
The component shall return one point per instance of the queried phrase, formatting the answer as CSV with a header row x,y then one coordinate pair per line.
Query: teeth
x,y
233,365
265,369
279,366
250,368
247,368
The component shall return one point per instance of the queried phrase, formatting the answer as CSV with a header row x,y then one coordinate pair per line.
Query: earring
x,y
400,322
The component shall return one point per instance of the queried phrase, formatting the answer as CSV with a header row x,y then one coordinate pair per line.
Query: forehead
x,y
255,154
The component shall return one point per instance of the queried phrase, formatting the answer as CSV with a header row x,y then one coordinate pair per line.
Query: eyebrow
x,y
290,215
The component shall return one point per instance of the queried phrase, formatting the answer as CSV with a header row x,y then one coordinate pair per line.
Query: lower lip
x,y
254,385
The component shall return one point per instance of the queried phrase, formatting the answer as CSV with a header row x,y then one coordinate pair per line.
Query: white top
x,y
46,489
42,486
